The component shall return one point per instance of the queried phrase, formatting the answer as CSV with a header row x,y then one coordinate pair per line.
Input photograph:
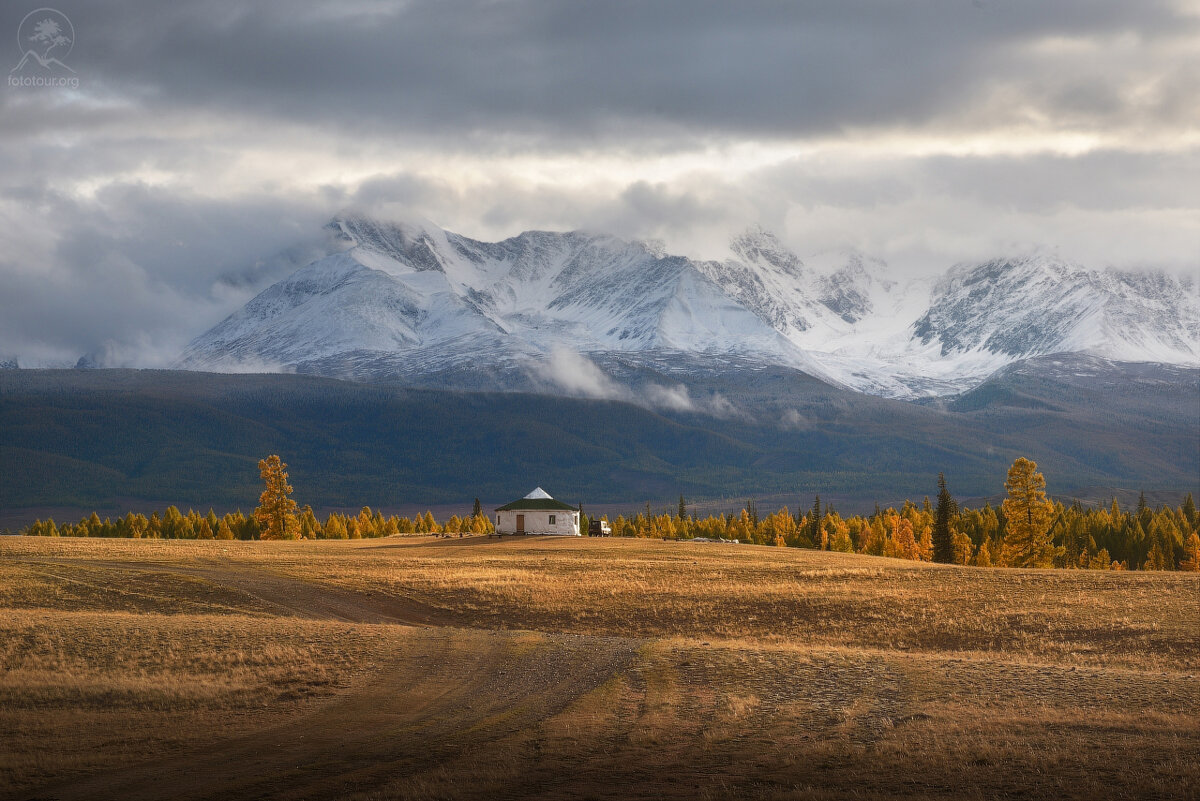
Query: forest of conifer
x,y
1040,533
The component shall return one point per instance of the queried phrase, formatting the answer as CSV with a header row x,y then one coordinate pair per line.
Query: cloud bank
x,y
209,141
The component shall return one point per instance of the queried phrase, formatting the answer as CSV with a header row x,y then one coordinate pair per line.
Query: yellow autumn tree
x,y
1029,515
962,547
276,512
874,537
840,540
983,556
901,544
1191,561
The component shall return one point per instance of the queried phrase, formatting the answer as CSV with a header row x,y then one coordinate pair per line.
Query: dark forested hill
x,y
89,437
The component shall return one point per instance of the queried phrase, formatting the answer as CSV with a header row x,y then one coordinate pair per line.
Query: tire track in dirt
x,y
462,691
444,693
284,594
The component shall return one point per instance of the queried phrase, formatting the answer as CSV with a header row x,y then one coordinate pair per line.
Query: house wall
x,y
537,521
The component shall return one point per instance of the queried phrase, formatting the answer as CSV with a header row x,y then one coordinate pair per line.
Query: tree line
x,y
172,524
1026,530
276,518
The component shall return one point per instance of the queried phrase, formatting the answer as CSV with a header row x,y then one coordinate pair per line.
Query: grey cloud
x,y
135,272
474,74
106,245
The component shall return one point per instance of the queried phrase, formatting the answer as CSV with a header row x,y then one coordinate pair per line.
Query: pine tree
x,y
1189,510
1028,518
815,524
476,510
943,539
682,508
276,511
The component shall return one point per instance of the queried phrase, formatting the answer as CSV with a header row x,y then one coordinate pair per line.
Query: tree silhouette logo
x,y
46,37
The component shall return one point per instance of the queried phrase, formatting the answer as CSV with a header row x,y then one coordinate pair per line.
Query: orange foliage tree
x,y
276,512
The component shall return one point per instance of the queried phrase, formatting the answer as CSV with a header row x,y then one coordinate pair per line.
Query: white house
x,y
537,513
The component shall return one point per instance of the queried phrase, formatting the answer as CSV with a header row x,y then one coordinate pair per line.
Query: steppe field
x,y
419,668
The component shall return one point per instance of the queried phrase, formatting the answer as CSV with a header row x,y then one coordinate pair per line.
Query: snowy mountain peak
x,y
758,246
418,243
1041,304
855,286
411,300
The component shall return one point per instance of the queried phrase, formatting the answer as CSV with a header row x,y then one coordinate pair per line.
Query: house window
x,y
552,520
497,520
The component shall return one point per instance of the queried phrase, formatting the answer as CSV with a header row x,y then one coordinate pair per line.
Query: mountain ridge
x,y
408,300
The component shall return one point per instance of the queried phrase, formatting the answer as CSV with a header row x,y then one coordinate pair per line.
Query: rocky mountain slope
x,y
413,302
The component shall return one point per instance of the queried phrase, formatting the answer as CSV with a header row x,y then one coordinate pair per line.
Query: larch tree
x,y
943,538
276,512
901,543
1191,559
1028,516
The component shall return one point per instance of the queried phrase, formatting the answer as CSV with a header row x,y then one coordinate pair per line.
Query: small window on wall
x,y
552,520
497,520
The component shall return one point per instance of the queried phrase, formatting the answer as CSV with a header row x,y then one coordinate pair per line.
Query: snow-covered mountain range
x,y
411,300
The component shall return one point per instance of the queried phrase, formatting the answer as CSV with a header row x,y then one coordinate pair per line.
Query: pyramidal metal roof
x,y
537,501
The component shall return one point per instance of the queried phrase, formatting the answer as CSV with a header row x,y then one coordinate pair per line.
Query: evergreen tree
x,y
1189,510
476,510
752,511
276,510
1142,509
943,539
682,508
814,530
1028,517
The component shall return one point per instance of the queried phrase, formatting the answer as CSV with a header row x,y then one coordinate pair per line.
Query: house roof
x,y
537,501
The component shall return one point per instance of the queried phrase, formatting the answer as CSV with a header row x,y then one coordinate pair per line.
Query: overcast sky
x,y
205,137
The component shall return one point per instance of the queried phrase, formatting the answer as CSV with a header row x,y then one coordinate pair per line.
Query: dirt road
x,y
444,694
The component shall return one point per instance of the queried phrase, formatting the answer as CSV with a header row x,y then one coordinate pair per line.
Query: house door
x,y
520,524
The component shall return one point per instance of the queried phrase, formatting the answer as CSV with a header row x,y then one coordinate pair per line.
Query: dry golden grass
x,y
418,668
